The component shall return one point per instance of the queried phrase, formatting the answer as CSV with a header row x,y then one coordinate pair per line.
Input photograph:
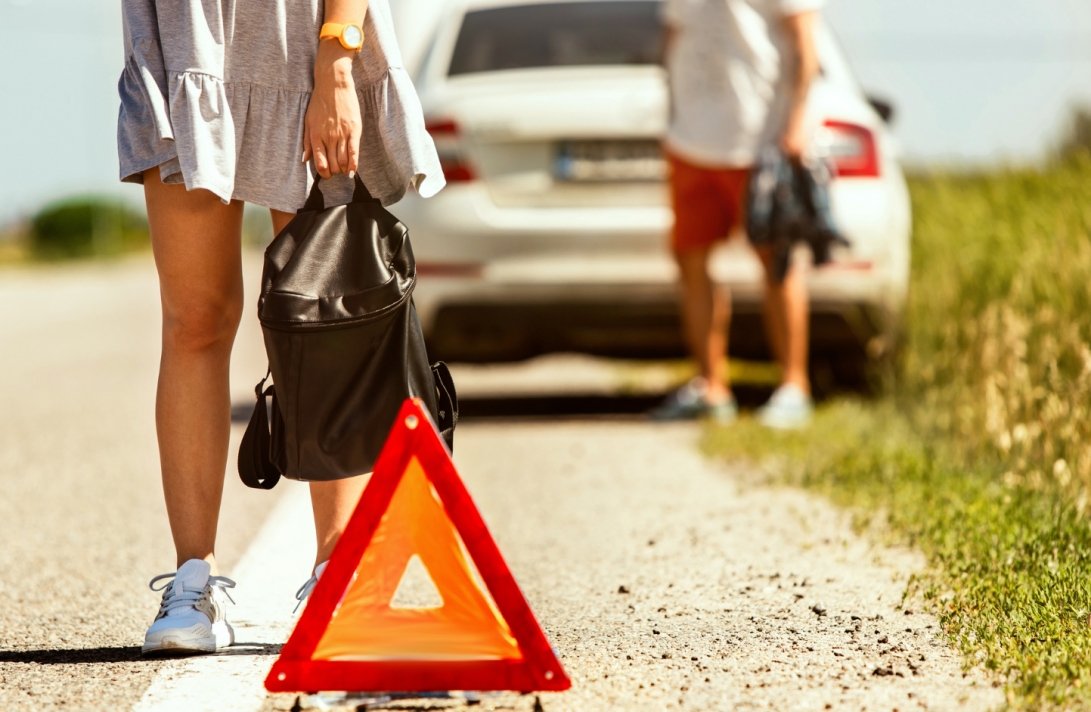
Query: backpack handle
x,y
315,201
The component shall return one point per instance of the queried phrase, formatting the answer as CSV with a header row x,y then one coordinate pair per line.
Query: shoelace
x,y
188,597
305,591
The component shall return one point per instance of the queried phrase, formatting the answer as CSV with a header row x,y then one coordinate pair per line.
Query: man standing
x,y
740,72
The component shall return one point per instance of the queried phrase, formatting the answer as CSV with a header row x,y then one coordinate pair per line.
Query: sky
x,y
973,82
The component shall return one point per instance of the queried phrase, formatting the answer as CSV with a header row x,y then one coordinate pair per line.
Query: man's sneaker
x,y
193,615
722,413
305,590
789,408
689,403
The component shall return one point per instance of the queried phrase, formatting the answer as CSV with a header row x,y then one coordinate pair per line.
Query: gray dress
x,y
214,93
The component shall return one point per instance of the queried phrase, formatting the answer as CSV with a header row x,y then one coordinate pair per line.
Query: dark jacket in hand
x,y
789,203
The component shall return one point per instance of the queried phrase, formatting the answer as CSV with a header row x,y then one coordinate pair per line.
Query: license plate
x,y
609,161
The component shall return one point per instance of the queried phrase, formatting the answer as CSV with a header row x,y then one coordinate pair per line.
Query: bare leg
x,y
706,310
333,502
195,239
787,319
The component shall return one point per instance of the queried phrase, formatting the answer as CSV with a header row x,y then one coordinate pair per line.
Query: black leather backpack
x,y
344,344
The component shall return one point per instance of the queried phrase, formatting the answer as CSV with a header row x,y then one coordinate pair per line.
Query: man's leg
x,y
706,310
776,327
791,300
787,313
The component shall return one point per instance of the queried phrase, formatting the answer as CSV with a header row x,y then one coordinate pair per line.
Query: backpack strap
x,y
256,468
446,403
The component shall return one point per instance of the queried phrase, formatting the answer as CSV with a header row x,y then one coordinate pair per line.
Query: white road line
x,y
274,566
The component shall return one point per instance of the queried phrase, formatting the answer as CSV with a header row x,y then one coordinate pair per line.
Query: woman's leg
x,y
333,502
196,241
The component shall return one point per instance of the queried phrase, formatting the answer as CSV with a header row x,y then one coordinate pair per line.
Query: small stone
x,y
622,589
882,672
819,609
667,656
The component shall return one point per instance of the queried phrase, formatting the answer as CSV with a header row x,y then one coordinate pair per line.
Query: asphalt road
x,y
82,522
661,579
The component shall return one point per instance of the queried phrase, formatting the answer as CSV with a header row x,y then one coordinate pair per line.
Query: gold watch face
x,y
352,36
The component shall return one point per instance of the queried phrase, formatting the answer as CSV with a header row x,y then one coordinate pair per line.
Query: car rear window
x,y
563,34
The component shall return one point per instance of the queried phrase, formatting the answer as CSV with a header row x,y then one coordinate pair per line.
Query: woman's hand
x,y
332,127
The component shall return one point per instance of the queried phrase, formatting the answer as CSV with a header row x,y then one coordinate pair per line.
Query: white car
x,y
552,233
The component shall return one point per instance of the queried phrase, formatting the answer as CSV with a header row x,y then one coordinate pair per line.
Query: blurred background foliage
x,y
83,227
998,355
86,226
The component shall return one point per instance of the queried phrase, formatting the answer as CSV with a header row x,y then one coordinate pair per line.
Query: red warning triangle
x,y
355,634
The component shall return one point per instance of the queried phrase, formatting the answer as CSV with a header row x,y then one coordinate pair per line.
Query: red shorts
x,y
708,203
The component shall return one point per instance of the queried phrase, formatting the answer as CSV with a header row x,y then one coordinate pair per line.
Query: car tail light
x,y
445,134
850,148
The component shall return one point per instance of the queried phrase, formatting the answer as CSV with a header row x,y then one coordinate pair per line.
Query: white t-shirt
x,y
729,95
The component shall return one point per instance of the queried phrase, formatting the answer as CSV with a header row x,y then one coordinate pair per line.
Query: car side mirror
x,y
883,108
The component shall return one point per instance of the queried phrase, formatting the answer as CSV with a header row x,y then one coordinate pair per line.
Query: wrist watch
x,y
350,34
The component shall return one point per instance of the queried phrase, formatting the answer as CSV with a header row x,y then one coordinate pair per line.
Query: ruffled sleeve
x,y
395,149
200,112
145,136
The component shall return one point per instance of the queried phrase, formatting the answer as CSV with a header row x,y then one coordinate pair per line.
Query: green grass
x,y
981,454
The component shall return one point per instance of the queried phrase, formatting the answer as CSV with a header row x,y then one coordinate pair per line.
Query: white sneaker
x,y
789,408
304,591
193,615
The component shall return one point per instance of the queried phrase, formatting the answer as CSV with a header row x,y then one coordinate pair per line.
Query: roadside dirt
x,y
665,585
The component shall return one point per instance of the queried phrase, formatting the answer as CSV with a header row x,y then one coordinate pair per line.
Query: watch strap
x,y
331,29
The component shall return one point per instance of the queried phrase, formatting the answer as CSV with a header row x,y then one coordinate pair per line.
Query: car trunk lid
x,y
562,137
